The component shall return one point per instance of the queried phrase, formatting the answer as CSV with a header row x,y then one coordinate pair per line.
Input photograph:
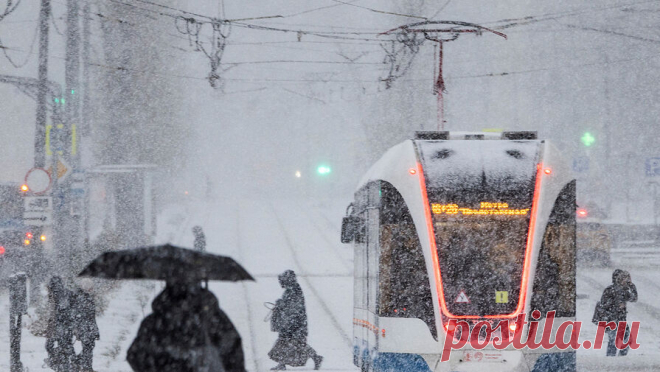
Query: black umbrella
x,y
165,262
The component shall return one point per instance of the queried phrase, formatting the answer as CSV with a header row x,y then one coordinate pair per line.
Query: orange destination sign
x,y
485,208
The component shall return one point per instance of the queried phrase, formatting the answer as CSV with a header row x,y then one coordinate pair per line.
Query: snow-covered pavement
x,y
268,237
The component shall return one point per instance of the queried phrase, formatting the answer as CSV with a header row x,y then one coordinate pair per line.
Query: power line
x,y
316,9
441,9
513,22
609,32
380,11
518,72
9,8
29,54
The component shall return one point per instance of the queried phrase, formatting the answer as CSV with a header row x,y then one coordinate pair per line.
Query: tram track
x,y
248,307
322,232
294,255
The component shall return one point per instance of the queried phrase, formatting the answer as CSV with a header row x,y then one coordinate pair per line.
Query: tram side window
x,y
554,284
404,289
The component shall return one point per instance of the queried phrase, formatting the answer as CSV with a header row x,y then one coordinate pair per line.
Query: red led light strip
x,y
528,250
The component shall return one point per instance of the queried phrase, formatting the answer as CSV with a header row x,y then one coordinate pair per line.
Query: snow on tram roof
x,y
504,165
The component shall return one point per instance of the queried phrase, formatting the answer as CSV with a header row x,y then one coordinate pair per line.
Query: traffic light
x,y
587,139
323,170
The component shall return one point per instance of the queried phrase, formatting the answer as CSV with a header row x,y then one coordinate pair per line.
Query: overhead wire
x,y
316,9
522,21
9,9
29,54
346,38
380,11
441,9
610,32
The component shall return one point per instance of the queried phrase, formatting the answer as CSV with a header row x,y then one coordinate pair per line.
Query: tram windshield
x,y
480,195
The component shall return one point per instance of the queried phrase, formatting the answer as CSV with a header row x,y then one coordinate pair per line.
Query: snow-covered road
x,y
268,237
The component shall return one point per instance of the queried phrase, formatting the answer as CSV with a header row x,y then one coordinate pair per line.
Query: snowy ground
x,y
268,237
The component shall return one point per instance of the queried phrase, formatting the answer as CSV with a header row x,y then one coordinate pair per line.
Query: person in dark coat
x,y
200,239
85,328
290,321
613,303
59,333
187,332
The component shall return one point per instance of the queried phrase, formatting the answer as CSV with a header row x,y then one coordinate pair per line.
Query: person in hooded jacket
x,y
59,332
290,321
613,303
200,239
84,324
187,332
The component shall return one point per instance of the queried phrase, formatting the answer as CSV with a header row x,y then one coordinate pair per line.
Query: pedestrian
x,y
613,305
290,321
187,332
85,328
59,333
200,239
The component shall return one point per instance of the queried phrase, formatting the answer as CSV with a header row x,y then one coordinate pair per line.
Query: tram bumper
x,y
502,361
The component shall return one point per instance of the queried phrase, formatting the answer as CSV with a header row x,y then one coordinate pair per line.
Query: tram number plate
x,y
482,356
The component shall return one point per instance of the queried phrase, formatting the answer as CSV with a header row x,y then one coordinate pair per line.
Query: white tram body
x,y
464,226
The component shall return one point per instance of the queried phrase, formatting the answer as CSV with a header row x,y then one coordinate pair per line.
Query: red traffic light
x,y
582,213
2,250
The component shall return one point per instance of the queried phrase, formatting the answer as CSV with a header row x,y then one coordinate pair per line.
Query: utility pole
x,y
72,78
40,133
68,207
85,130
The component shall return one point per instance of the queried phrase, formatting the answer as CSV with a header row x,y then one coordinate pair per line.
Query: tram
x,y
461,226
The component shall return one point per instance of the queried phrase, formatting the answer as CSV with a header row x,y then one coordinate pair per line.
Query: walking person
x,y
200,239
85,328
613,304
187,332
59,333
290,321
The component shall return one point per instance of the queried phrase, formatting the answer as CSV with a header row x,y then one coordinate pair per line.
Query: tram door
x,y
366,328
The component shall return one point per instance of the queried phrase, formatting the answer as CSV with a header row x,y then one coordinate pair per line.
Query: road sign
x,y
652,167
78,183
38,218
38,203
63,169
38,210
581,164
38,180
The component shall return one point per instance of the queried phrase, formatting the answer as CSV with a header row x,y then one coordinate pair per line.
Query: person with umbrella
x,y
59,333
290,321
187,331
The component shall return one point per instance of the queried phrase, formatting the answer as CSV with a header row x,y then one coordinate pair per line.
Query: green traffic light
x,y
323,170
588,139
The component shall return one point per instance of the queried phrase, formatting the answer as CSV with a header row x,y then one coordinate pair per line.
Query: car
x,y
594,243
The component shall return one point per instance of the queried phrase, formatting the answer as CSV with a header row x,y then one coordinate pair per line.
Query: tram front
x,y
464,228
502,239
